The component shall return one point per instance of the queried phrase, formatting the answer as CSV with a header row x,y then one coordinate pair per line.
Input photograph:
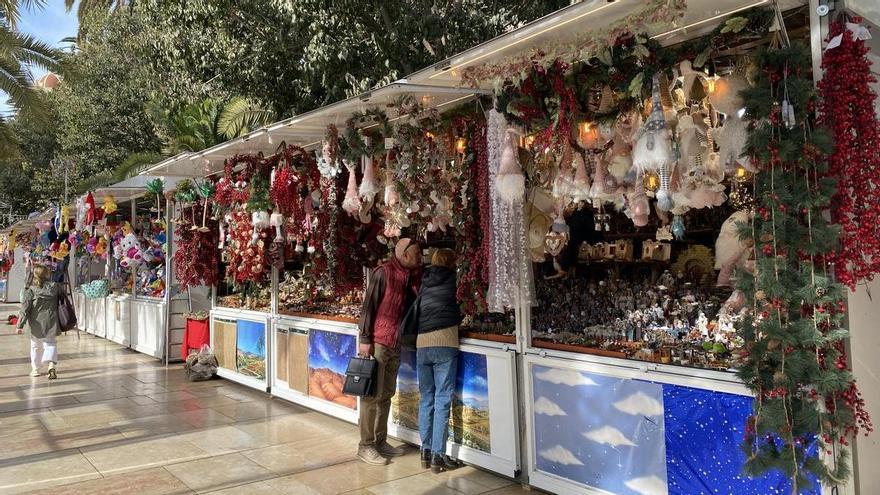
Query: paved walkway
x,y
116,422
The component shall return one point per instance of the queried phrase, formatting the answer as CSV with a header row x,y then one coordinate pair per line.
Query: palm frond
x,y
134,164
101,179
10,10
9,143
241,115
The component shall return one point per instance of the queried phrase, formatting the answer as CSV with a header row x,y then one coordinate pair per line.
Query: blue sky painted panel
x,y
331,350
600,431
251,337
703,433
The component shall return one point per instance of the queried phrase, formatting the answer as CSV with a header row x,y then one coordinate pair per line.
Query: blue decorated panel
x,y
635,437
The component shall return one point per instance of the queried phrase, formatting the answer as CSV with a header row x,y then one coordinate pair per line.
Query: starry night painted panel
x,y
703,434
600,431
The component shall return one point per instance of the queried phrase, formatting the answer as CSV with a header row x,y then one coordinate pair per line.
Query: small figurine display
x,y
299,294
665,318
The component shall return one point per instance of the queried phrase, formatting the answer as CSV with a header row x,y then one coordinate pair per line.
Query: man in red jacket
x,y
393,286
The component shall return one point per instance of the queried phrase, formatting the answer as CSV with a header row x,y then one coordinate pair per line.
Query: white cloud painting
x,y
558,376
640,404
560,455
547,407
609,435
648,485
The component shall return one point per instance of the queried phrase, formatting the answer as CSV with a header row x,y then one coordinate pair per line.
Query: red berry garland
x,y
848,110
196,255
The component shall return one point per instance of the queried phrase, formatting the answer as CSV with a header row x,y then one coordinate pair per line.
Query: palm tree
x,y
18,53
133,164
201,125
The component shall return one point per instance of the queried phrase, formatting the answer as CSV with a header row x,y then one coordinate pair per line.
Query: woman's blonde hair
x,y
443,257
41,275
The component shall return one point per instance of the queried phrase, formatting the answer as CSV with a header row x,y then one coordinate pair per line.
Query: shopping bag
x,y
360,377
66,313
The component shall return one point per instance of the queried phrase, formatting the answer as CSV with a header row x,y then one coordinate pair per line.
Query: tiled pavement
x,y
118,422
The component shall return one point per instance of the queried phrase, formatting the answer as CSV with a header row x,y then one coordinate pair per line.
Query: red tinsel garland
x,y
848,110
196,255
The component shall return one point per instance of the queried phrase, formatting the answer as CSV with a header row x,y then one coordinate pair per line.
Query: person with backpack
x,y
437,358
39,311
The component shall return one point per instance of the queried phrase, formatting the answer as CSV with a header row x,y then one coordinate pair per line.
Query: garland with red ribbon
x,y
472,248
848,111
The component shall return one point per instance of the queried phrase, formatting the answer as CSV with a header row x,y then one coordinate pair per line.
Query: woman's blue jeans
x,y
437,369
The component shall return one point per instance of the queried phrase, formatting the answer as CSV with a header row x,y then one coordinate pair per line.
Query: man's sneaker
x,y
387,450
35,372
370,455
426,458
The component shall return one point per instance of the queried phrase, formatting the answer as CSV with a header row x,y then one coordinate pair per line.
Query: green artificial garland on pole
x,y
806,405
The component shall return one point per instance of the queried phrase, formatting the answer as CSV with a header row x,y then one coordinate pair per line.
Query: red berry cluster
x,y
848,111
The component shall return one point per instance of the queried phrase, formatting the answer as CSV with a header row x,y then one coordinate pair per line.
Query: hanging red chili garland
x,y
848,110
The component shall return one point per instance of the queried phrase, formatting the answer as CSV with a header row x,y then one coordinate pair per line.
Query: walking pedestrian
x,y
437,358
39,311
392,288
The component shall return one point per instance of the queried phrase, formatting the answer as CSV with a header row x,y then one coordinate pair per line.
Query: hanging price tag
x,y
389,143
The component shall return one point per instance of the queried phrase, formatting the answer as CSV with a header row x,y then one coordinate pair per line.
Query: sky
x,y
50,24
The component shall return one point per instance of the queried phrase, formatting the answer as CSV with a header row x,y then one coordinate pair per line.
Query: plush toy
x,y
132,253
62,251
101,247
61,216
92,245
109,206
91,213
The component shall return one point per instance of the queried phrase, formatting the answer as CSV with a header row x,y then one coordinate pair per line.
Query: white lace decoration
x,y
510,271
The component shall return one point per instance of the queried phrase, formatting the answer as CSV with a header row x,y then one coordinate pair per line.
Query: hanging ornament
x,y
731,140
580,188
351,203
155,187
277,220
369,184
259,220
510,182
678,229
653,148
205,189
724,93
640,208
557,237
688,77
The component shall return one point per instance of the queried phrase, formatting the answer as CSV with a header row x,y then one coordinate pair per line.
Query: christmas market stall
x,y
667,181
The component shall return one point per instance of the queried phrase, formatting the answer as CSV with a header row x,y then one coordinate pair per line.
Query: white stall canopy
x,y
131,188
309,128
581,21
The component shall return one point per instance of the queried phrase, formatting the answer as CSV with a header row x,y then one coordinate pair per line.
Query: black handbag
x,y
360,377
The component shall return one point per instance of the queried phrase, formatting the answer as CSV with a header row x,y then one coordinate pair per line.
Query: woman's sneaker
x,y
441,462
52,374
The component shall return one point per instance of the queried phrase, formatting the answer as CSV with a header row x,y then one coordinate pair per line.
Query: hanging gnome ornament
x,y
277,220
653,150
580,188
369,184
260,221
352,202
510,184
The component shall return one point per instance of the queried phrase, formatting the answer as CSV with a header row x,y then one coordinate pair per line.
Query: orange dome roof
x,y
48,82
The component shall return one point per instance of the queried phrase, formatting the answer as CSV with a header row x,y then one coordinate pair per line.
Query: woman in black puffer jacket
x,y
437,357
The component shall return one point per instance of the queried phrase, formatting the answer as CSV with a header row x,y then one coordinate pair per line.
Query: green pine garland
x,y
805,398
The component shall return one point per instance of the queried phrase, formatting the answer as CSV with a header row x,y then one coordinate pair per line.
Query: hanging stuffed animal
x,y
110,205
352,203
653,150
91,215
61,216
510,184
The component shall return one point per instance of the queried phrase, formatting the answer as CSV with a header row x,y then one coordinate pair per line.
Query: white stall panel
x,y
119,319
148,327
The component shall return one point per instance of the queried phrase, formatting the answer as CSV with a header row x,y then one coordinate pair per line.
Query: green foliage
x,y
794,340
100,105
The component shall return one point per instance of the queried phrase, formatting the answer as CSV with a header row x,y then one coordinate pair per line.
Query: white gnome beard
x,y
277,220
652,150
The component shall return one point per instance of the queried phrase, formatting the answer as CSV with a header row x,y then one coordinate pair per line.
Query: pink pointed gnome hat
x,y
510,184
